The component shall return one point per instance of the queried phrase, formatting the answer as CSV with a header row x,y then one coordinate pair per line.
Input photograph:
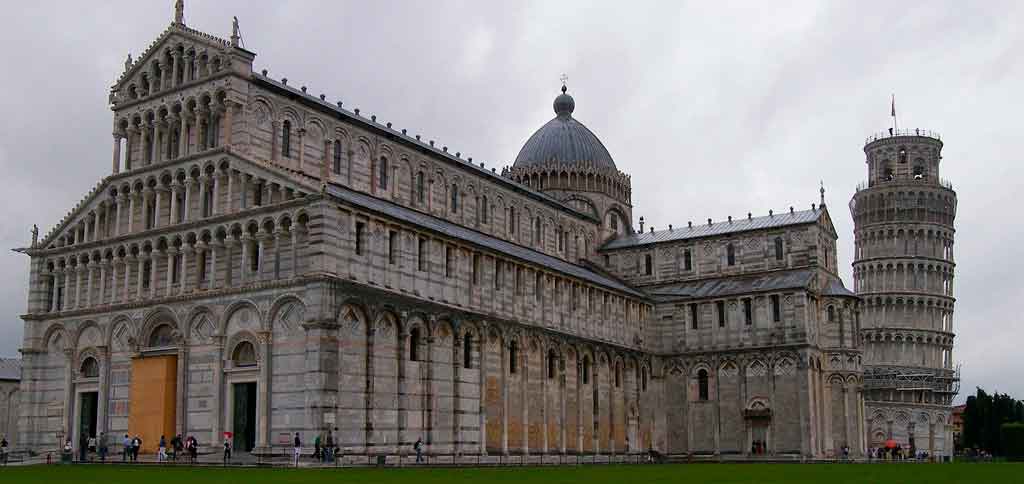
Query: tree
x,y
984,418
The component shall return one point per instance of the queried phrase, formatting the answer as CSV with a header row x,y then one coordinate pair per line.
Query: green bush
x,y
1012,435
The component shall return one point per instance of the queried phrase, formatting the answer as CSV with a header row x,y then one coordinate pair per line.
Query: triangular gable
x,y
173,34
91,201
825,220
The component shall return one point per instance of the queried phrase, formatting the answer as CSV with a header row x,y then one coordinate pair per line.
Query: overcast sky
x,y
713,110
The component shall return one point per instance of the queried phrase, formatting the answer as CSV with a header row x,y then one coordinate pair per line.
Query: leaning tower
x,y
903,269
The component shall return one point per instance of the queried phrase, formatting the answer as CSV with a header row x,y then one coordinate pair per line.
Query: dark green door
x,y
87,416
245,417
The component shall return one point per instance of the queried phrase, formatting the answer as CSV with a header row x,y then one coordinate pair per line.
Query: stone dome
x,y
563,140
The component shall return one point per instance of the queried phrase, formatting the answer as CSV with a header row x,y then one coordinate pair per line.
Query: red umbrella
x,y
890,444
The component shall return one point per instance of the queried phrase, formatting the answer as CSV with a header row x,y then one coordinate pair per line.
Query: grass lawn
x,y
598,474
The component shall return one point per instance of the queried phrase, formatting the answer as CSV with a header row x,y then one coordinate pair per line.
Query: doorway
x,y
87,405
244,429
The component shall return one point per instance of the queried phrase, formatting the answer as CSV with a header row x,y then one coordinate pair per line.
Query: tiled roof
x,y
720,228
398,134
734,285
10,368
459,232
836,288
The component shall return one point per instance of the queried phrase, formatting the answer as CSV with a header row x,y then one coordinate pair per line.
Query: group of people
x,y
325,450
178,446
890,453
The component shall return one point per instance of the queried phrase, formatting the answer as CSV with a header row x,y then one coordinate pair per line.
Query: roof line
x,y
417,144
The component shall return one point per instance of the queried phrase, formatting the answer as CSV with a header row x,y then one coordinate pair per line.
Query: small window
x,y
360,228
161,337
586,370
918,172
414,344
257,196
538,286
720,309
176,268
511,221
90,368
244,355
702,385
552,365
776,309
831,314
513,357
467,352
147,269
519,281
748,311
903,155
392,247
498,276
449,257
687,260
421,196
618,376
648,269
286,139
337,157
778,248
476,268
536,232
614,223
254,257
730,254
483,209
607,261
382,175
643,379
421,255
455,198
694,322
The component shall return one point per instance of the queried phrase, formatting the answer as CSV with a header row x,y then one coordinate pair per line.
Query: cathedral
x,y
260,262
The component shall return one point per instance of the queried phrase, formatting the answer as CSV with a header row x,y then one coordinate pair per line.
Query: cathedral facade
x,y
259,261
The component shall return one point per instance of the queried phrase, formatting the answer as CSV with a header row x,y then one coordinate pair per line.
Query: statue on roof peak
x,y
179,12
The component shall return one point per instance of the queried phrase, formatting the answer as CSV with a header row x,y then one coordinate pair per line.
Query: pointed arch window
x,y
467,352
702,385
286,138
730,254
552,364
618,376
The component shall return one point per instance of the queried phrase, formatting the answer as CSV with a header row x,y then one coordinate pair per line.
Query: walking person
x,y
126,448
227,450
329,448
136,446
161,453
103,446
316,449
92,447
298,449
3,450
193,450
418,446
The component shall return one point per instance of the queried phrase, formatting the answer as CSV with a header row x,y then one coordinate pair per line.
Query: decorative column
x,y
261,242
263,402
204,183
147,143
117,153
213,265
186,287
138,285
242,273
278,235
68,270
229,274
129,145
53,299
183,133
213,137
325,161
294,230
158,125
215,201
129,259
230,203
229,107
70,429
171,252
131,210
103,281
173,219
78,284
218,390
95,226
189,60
104,393
114,264
188,198
152,274
156,205
201,141
175,66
